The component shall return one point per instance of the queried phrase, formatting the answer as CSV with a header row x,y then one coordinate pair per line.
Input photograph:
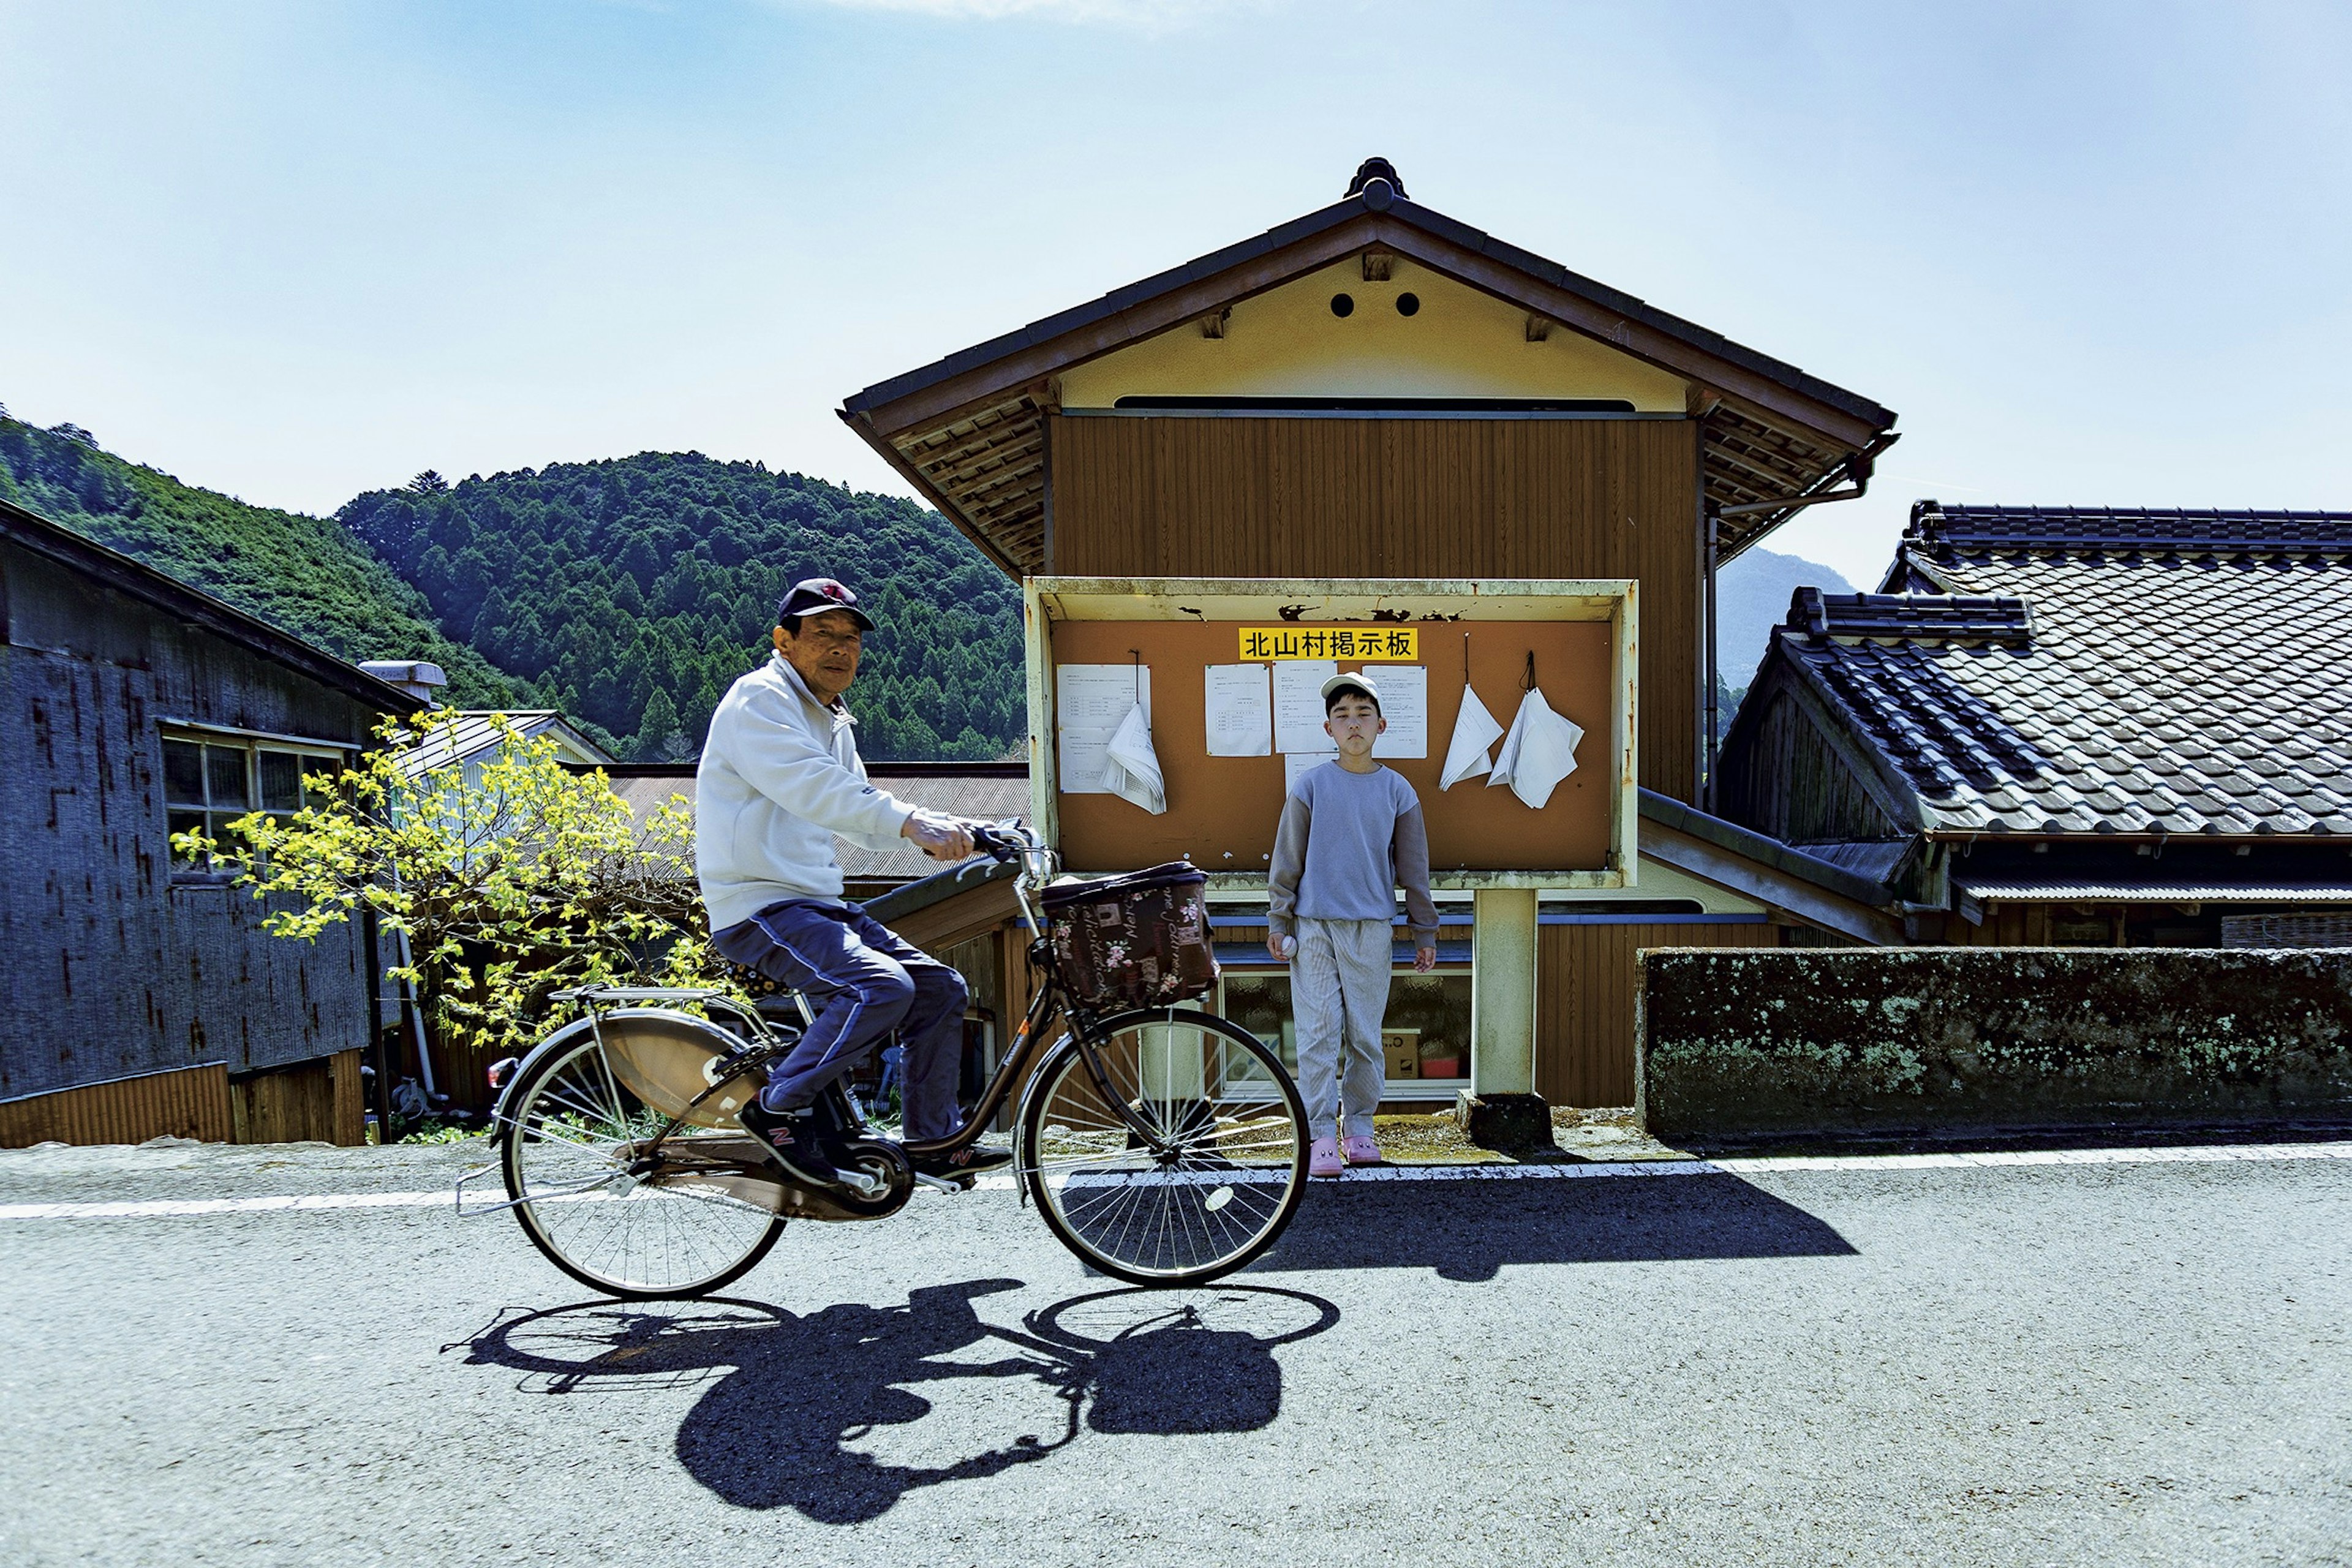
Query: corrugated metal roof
x,y
472,732
988,792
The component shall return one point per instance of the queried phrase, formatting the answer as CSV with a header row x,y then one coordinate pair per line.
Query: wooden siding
x,y
315,1101
1785,778
1134,496
191,1103
1584,1001
318,1100
119,967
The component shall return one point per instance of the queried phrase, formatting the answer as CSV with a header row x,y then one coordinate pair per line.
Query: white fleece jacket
x,y
780,776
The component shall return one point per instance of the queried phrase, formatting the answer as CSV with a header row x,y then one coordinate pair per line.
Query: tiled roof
x,y
1936,527
2075,890
2183,673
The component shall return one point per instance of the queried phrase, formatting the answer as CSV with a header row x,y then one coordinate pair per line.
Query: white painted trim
x,y
1754,1165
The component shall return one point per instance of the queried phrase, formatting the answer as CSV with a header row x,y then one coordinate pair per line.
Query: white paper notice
x,y
1089,701
1294,765
1298,705
1240,710
1404,703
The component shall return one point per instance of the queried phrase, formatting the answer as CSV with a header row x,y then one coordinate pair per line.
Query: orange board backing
x,y
1221,811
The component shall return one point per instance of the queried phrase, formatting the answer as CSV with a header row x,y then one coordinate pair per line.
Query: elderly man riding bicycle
x,y
780,776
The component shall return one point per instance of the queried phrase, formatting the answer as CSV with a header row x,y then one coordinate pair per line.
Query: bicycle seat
x,y
781,1008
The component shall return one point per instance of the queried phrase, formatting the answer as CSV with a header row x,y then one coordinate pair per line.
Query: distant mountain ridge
x,y
630,592
634,590
303,573
1752,598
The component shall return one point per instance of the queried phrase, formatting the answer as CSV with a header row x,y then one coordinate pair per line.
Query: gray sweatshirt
x,y
1347,842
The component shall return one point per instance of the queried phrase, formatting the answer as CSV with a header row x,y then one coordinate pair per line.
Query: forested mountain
x,y
635,589
303,573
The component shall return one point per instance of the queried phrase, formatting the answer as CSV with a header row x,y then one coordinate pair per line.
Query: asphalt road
x,y
2127,1363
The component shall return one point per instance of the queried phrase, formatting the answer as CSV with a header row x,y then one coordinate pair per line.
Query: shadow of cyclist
x,y
787,1399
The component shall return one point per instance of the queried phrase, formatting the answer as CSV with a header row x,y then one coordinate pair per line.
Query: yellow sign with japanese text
x,y
1402,643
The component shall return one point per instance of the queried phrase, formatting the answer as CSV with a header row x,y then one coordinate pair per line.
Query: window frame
x,y
181,814
1393,1090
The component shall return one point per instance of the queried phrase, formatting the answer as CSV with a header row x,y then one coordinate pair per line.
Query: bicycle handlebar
x,y
1000,842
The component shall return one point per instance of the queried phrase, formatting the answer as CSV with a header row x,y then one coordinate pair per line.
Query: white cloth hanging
x,y
1132,768
1539,752
1475,730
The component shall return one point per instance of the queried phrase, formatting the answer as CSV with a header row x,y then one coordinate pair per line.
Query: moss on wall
x,y
1744,1044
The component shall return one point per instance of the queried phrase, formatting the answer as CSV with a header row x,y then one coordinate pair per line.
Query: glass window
x,y
281,781
183,772
209,784
1425,1034
225,784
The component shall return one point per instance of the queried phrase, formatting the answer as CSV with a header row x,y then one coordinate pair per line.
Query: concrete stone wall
x,y
1754,1045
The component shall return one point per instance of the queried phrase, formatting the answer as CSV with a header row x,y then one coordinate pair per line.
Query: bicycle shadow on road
x,y
1468,1229
786,1397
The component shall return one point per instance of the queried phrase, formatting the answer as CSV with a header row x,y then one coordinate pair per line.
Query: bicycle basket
x,y
1137,941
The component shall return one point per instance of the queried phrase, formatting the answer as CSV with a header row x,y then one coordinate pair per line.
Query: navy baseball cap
x,y
814,596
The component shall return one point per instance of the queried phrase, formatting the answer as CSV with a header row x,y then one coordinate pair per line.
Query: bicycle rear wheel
x,y
679,1224
1220,1175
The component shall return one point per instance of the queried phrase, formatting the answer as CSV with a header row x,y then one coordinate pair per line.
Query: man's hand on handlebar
x,y
941,837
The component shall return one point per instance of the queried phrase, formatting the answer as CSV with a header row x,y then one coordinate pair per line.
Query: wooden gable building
x,y
143,995
1376,390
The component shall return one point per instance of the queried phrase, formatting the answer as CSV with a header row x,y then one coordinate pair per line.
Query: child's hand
x,y
1282,947
1424,958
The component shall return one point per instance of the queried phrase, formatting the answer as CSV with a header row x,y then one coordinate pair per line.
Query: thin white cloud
x,y
1148,16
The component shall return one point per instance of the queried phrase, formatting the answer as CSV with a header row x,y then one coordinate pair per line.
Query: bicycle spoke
x,y
575,1132
1212,1182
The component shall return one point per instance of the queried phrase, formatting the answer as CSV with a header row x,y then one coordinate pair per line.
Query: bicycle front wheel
x,y
1210,1187
677,1222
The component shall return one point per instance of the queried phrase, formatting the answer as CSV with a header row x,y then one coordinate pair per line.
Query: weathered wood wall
x,y
118,965
314,1100
1783,776
1585,985
1247,496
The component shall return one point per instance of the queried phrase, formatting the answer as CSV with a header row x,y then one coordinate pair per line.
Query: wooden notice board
x,y
1222,811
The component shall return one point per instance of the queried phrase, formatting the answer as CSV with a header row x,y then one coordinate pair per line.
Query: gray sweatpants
x,y
1339,995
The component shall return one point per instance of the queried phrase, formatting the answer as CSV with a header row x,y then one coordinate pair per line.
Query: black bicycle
x,y
1164,1146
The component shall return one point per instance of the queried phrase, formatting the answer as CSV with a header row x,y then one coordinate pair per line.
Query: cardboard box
x,y
1403,1049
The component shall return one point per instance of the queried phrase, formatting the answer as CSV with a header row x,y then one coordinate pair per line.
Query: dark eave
x,y
191,606
1763,868
1616,308
966,431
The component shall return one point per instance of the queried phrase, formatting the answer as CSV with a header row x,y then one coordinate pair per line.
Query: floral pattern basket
x,y
1137,941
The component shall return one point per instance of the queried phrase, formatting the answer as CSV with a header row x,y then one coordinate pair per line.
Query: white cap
x,y
1350,680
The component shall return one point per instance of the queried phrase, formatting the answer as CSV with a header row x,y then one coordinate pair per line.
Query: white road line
x,y
1743,1166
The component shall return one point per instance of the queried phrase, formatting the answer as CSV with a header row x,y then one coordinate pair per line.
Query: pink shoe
x,y
1362,1150
1323,1160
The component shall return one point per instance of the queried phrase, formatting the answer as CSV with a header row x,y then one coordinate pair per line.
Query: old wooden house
x,y
1376,390
2073,726
143,997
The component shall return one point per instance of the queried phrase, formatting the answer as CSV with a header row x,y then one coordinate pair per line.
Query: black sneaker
x,y
796,1146
977,1160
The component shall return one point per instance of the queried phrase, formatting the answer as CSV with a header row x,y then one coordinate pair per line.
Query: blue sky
x,y
2091,254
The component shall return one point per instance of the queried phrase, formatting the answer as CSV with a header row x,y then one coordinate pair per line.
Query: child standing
x,y
1351,835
